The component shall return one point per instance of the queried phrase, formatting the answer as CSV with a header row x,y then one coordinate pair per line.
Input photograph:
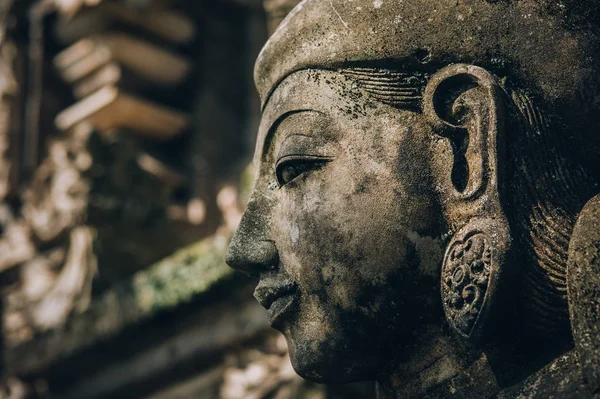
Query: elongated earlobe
x,y
464,105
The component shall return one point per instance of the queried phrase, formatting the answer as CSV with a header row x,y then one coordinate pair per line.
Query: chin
x,y
327,365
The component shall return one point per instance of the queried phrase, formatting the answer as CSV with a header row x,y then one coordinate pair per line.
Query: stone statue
x,y
423,212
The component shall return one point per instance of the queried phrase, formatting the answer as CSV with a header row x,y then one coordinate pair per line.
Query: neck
x,y
439,371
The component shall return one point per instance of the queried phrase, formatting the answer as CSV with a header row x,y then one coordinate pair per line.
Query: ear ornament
x,y
465,105
473,264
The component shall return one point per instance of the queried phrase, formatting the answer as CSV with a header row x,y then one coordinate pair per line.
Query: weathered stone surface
x,y
396,131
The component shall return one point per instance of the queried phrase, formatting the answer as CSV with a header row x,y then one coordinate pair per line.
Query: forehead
x,y
327,92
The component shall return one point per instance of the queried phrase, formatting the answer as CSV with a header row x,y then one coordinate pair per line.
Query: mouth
x,y
277,296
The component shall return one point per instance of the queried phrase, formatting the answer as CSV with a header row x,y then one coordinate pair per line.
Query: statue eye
x,y
291,168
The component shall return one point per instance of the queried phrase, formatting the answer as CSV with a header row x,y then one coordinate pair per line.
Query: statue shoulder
x,y
562,378
575,374
583,286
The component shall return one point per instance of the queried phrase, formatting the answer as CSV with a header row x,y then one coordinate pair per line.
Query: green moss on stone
x,y
182,276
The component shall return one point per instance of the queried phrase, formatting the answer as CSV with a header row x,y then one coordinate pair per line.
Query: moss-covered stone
x,y
178,278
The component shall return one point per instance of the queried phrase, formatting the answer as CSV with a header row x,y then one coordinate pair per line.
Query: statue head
x,y
415,176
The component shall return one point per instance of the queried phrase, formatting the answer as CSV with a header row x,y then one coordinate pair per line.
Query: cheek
x,y
312,240
338,236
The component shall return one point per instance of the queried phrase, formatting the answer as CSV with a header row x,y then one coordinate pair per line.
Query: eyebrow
x,y
273,128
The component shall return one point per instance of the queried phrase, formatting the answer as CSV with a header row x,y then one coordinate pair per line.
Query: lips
x,y
277,296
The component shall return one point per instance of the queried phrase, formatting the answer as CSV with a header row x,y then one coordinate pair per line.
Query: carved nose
x,y
251,256
250,250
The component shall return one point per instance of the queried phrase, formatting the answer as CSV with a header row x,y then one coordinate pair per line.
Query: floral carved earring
x,y
473,265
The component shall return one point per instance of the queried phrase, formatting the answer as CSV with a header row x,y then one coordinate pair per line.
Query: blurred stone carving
x,y
15,245
73,285
58,196
70,7
99,181
14,389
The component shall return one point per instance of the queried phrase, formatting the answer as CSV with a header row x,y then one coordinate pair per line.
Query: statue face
x,y
343,226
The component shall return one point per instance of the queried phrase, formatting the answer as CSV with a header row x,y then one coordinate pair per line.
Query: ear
x,y
463,104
